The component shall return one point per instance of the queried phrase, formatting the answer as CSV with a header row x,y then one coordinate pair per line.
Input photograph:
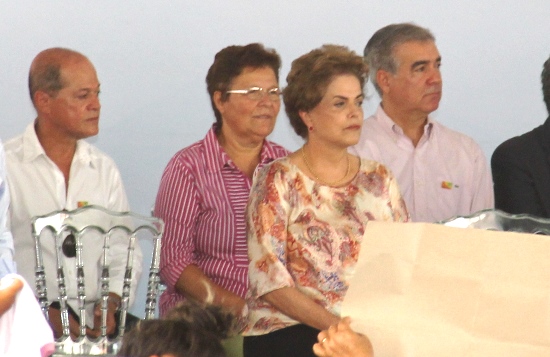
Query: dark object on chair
x,y
69,246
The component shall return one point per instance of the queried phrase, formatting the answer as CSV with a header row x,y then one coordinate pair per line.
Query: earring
x,y
310,128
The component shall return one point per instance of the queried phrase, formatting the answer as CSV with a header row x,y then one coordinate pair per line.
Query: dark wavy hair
x,y
207,317
180,338
230,63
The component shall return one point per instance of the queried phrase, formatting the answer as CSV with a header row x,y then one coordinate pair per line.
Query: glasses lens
x,y
274,94
254,93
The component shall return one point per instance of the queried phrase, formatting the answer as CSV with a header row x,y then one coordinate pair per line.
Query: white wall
x,y
152,58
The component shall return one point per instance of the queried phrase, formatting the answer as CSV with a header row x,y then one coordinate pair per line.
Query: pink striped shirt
x,y
202,199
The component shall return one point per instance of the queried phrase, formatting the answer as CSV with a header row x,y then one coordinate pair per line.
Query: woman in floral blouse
x,y
307,212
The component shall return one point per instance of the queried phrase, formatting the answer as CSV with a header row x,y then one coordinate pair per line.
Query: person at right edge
x,y
521,166
442,173
307,212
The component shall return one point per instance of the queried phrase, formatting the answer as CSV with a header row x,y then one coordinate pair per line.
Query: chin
x,y
264,131
88,133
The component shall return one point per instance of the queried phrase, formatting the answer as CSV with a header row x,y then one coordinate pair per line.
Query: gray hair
x,y
545,79
379,50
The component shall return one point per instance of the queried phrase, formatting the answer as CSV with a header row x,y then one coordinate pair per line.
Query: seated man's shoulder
x,y
99,156
456,139
14,145
522,143
372,123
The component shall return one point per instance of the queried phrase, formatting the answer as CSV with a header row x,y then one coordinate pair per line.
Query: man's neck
x,y
411,123
58,148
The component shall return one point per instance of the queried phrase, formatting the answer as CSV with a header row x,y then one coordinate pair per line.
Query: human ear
x,y
383,80
217,98
41,101
306,118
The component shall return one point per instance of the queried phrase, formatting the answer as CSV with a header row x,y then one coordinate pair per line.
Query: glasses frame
x,y
257,93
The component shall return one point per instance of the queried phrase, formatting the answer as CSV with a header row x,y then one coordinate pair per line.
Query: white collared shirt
x,y
37,187
445,175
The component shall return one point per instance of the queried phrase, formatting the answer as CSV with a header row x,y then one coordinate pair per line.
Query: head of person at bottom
x,y
170,338
243,84
212,318
404,65
64,90
323,100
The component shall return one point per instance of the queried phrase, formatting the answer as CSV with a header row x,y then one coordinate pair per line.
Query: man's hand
x,y
113,304
54,316
74,327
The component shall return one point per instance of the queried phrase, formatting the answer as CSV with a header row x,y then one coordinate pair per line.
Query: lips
x,y
354,127
263,116
434,91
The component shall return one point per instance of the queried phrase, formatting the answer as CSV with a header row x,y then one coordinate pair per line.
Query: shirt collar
x,y
214,149
395,130
32,149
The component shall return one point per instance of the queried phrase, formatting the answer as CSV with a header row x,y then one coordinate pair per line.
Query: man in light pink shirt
x,y
442,173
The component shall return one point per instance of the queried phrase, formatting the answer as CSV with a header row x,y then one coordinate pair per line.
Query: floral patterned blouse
x,y
307,235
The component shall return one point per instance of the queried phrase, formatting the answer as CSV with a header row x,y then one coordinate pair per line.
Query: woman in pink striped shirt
x,y
205,187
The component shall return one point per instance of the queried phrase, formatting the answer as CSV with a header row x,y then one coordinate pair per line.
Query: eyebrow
x,y
424,62
86,89
342,97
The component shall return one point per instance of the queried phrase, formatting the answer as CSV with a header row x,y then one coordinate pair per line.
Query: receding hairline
x,y
49,62
395,34
56,56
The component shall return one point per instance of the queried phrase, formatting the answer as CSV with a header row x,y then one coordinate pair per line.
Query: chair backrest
x,y
492,219
100,227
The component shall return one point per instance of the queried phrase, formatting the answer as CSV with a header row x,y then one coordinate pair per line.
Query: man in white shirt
x,y
51,168
441,173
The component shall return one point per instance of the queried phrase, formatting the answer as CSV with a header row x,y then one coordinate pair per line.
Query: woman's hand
x,y
193,283
341,341
293,303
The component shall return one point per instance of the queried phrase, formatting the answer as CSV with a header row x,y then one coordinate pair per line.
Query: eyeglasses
x,y
257,93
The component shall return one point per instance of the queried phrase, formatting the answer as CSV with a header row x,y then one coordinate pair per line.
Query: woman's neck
x,y
245,155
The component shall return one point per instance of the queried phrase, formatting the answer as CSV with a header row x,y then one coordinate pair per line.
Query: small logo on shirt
x,y
448,185
81,204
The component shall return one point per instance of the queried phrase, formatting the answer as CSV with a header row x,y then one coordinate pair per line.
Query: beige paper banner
x,y
423,290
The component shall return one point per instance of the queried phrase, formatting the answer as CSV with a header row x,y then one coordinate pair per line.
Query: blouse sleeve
x,y
177,204
267,219
397,203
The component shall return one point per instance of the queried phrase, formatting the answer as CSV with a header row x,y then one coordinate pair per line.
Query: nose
x,y
355,111
94,103
435,77
266,100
